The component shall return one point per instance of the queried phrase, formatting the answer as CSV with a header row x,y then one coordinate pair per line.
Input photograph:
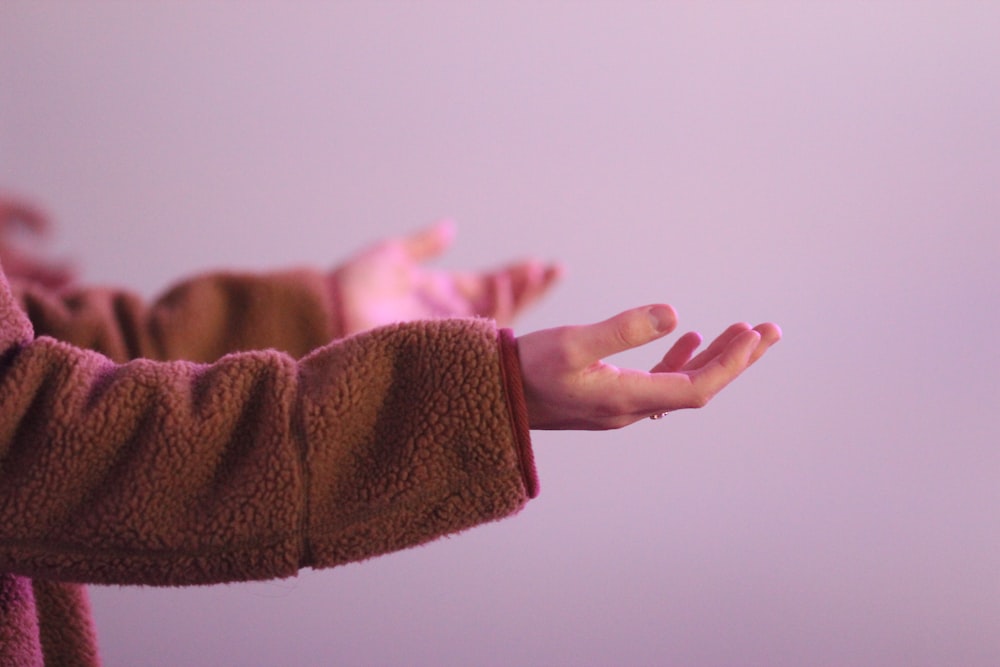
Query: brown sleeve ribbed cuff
x,y
510,364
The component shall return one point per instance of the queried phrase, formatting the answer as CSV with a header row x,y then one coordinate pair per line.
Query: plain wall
x,y
834,167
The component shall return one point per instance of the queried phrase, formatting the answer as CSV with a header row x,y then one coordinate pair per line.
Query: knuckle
x,y
630,333
565,352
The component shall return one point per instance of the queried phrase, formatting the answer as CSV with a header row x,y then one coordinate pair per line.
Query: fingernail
x,y
664,318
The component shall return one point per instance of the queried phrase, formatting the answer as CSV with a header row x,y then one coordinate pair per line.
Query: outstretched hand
x,y
389,282
567,386
18,215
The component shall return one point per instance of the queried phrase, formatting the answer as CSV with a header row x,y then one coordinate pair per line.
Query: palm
x,y
390,282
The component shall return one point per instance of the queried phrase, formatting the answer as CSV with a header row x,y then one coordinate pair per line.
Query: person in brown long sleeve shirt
x,y
251,465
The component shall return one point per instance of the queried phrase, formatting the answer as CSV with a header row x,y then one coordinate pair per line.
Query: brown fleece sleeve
x,y
200,319
254,466
66,631
19,631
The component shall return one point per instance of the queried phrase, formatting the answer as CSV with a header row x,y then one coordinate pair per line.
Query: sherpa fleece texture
x,y
248,467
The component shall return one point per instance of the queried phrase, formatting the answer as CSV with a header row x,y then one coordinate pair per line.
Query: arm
x,y
257,465
252,467
207,316
199,319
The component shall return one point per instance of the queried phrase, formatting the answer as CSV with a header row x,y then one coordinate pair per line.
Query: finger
x,y
49,274
709,380
481,293
504,293
717,346
770,334
694,390
528,281
550,275
679,354
431,241
624,331
15,211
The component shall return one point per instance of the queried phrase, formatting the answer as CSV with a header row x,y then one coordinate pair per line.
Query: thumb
x,y
431,241
626,330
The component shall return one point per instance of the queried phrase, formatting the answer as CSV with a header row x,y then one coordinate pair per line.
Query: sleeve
x,y
174,473
200,319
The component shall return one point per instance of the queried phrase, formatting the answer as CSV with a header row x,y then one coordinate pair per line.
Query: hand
x,y
389,283
16,213
567,386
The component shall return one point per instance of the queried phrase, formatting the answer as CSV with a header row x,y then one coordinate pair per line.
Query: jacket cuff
x,y
510,365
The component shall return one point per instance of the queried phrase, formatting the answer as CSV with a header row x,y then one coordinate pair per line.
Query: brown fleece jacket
x,y
238,467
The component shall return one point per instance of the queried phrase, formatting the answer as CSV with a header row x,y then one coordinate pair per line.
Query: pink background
x,y
834,167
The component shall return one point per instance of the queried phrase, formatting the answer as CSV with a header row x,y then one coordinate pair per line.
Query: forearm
x,y
148,472
257,465
199,319
443,451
